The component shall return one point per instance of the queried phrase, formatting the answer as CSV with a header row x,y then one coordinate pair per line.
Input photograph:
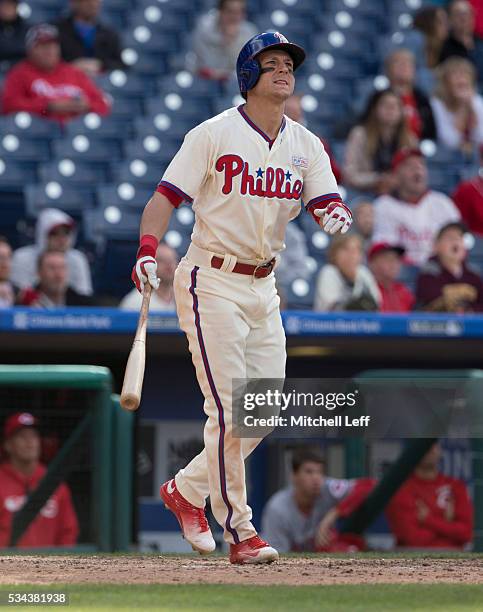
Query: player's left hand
x,y
334,217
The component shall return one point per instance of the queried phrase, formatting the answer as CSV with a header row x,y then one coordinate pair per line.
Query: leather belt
x,y
261,271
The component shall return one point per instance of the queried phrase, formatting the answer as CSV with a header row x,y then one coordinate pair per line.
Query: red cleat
x,y
253,550
191,519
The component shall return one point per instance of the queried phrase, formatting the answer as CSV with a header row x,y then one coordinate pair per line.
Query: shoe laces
x,y
257,542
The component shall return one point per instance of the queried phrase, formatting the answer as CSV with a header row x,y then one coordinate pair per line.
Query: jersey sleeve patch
x,y
174,194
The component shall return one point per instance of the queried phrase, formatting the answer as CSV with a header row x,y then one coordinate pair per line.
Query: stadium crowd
x,y
410,246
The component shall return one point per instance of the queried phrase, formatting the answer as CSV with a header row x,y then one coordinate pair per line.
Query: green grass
x,y
228,598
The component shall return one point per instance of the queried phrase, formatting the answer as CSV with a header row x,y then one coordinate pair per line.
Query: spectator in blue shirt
x,y
86,41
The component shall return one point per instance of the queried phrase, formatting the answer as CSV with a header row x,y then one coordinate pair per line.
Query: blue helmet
x,y
248,68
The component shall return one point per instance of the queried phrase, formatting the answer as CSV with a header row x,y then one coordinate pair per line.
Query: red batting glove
x,y
334,217
145,267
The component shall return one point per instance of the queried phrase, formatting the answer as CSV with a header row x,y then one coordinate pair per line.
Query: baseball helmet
x,y
248,68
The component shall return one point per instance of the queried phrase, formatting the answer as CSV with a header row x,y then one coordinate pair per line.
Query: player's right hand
x,y
145,271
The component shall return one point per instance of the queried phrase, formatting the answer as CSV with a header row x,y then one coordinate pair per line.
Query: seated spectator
x,y
412,215
7,289
12,34
457,107
401,72
218,37
431,510
85,41
363,214
291,516
445,283
468,197
163,297
56,523
294,111
293,259
385,262
328,538
344,283
432,22
55,231
44,85
372,143
461,39
52,290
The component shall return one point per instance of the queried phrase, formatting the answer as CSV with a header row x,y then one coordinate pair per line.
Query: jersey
x,y
289,529
449,522
413,226
244,186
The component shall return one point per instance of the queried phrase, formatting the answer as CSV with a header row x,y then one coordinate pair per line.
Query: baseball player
x,y
245,172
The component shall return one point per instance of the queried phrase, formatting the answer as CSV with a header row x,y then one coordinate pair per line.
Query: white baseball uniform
x,y
413,226
245,188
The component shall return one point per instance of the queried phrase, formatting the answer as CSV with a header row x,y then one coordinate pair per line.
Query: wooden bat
x,y
134,374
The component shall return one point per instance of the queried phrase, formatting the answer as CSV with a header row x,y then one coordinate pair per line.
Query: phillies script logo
x,y
269,183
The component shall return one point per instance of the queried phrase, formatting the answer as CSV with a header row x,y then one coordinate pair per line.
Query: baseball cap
x,y
382,247
452,225
41,33
403,154
17,421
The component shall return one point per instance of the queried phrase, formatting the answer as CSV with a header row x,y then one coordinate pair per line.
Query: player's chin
x,y
282,92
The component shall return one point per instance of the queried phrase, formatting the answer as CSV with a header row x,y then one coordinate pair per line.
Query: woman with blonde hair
x,y
345,283
457,107
372,143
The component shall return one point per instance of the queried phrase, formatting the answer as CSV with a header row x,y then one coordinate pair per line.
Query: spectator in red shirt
x,y
431,510
401,72
56,523
445,283
468,197
44,85
385,261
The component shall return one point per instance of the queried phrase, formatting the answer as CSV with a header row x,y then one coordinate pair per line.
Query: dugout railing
x,y
471,381
87,442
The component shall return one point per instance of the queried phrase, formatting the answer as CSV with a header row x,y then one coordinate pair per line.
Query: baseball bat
x,y
134,374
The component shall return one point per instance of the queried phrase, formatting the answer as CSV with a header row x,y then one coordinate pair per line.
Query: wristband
x,y
147,246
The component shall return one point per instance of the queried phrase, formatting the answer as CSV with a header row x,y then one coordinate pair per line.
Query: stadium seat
x,y
123,196
25,124
72,173
188,85
56,195
300,293
20,148
409,275
151,147
140,172
99,127
120,84
126,108
14,175
83,148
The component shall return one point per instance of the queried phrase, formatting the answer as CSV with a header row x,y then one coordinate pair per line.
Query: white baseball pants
x,y
234,330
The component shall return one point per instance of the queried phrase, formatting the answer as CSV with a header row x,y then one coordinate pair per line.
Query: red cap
x,y
403,154
17,421
381,247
